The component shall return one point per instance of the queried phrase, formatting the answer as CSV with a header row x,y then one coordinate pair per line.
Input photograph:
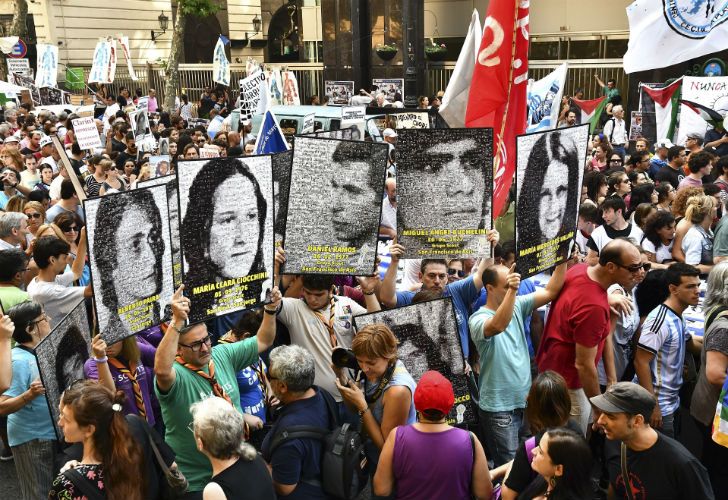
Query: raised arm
x,y
503,315
368,287
599,81
553,287
80,260
267,331
167,349
98,346
388,291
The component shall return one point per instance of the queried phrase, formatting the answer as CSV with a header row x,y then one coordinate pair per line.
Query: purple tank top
x,y
432,465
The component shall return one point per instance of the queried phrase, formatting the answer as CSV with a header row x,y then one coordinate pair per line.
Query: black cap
x,y
626,397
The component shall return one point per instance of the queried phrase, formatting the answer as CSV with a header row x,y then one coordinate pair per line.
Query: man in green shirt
x,y
610,89
188,370
13,263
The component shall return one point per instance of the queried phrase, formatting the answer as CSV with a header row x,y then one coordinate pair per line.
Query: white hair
x,y
717,292
220,427
617,108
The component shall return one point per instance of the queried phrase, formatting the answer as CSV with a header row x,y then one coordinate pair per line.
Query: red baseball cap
x,y
434,392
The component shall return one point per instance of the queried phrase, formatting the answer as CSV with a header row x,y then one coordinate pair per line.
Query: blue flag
x,y
225,40
270,138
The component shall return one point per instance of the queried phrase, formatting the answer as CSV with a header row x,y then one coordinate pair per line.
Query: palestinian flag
x,y
709,115
666,107
591,110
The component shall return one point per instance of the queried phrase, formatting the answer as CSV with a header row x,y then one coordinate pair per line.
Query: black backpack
x,y
343,464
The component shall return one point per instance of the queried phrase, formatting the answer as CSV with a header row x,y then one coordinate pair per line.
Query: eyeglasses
x,y
43,318
73,229
196,346
460,273
625,181
34,215
615,160
646,266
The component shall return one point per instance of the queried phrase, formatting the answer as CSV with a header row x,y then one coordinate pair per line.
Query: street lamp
x,y
163,23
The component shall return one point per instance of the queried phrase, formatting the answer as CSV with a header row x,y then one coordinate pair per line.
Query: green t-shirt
x,y
188,388
720,240
11,296
610,93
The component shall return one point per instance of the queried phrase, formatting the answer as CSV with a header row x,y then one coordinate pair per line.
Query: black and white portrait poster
x,y
281,186
226,214
444,192
339,92
390,87
334,206
131,260
549,173
173,205
342,134
428,340
142,133
61,356
159,165
50,96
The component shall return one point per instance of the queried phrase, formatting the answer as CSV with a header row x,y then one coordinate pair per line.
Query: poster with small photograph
x,y
339,92
549,174
159,165
429,340
61,356
444,192
392,88
131,260
334,206
226,214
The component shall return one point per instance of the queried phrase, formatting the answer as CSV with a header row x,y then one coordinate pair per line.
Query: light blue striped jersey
x,y
664,335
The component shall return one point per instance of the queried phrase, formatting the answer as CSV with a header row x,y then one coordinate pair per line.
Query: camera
x,y
345,358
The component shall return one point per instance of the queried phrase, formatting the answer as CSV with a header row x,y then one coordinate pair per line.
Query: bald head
x,y
620,259
390,187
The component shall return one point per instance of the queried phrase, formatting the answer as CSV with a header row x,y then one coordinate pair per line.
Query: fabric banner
x,y
170,181
220,64
548,187
662,100
124,42
544,100
711,92
47,65
444,190
666,32
131,260
281,186
103,68
390,87
226,209
270,138
86,132
414,119
339,92
455,100
253,95
591,110
428,340
501,77
334,206
61,356
291,96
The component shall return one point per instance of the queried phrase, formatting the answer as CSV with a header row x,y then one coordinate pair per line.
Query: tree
x,y
185,8
18,27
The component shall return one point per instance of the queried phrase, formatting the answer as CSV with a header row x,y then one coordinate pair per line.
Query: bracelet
x,y
368,293
101,360
363,412
272,312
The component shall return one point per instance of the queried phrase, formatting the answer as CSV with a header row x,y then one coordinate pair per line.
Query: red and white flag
x,y
498,90
666,107
591,110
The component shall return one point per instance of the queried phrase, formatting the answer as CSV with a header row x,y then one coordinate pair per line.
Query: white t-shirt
x,y
55,190
48,160
57,298
663,253
698,246
389,214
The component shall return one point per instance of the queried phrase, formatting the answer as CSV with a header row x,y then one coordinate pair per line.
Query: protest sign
x,y
61,356
131,260
142,132
220,64
226,209
159,165
28,83
429,340
103,67
21,66
291,97
309,123
281,186
708,91
209,152
170,181
549,172
414,119
339,92
214,126
275,86
253,95
334,206
124,43
635,125
50,96
444,190
86,133
391,88
544,100
352,117
46,74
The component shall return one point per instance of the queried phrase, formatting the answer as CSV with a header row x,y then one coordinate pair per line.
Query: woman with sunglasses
x,y
616,163
30,429
665,196
36,215
619,184
113,182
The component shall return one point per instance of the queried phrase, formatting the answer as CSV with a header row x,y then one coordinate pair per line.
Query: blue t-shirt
x,y
463,293
299,460
655,165
505,366
32,421
251,395
527,286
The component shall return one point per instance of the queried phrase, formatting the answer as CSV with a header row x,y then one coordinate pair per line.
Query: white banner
x,y
666,32
415,119
253,95
86,133
103,67
291,97
124,42
309,123
47,68
544,100
220,65
275,86
711,92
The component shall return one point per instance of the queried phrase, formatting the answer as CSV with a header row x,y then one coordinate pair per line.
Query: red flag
x,y
500,79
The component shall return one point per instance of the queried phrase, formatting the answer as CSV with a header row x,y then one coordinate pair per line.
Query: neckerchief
x,y
330,323
217,389
130,372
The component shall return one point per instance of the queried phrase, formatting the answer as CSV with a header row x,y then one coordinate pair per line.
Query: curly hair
x,y
679,204
698,207
654,223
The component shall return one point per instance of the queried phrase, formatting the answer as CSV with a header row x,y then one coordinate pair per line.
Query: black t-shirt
x,y
251,477
666,471
669,174
117,145
713,135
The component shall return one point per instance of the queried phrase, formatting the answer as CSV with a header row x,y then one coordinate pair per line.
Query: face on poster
x,y
226,209
428,340
444,191
61,356
390,87
549,173
159,165
635,125
131,260
334,206
339,92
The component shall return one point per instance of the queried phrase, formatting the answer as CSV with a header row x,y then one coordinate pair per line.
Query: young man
x,y
615,226
658,466
673,171
700,165
587,222
498,331
13,263
68,203
661,347
659,160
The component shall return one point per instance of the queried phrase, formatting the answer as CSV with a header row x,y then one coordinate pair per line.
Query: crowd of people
x,y
580,382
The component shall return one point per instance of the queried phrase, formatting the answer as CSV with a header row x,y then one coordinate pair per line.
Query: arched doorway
x,y
284,37
201,34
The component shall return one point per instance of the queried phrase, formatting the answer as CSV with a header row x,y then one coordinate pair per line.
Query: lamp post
x,y
163,24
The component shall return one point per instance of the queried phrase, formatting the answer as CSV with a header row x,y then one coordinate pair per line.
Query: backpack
x,y
343,463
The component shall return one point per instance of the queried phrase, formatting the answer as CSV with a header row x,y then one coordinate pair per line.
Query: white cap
x,y
12,138
388,132
45,140
664,143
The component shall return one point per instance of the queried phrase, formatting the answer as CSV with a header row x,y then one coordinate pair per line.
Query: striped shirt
x,y
664,335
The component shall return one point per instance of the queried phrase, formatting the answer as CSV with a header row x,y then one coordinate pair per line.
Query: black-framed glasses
x,y
44,317
196,346
615,160
73,229
459,272
646,266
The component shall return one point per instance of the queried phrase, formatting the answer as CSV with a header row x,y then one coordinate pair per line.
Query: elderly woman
x,y
713,368
30,427
386,399
236,467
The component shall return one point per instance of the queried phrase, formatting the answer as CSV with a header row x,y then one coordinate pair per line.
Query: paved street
x,y
9,481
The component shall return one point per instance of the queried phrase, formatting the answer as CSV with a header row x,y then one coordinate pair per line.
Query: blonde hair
x,y
375,342
50,227
698,207
37,206
106,165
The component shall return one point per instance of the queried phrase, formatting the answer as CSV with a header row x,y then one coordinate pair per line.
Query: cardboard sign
x,y
86,132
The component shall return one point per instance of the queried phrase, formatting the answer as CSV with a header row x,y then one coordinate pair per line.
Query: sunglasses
x,y
458,272
636,268
34,215
73,229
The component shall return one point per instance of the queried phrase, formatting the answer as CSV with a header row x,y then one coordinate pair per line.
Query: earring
x,y
552,482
